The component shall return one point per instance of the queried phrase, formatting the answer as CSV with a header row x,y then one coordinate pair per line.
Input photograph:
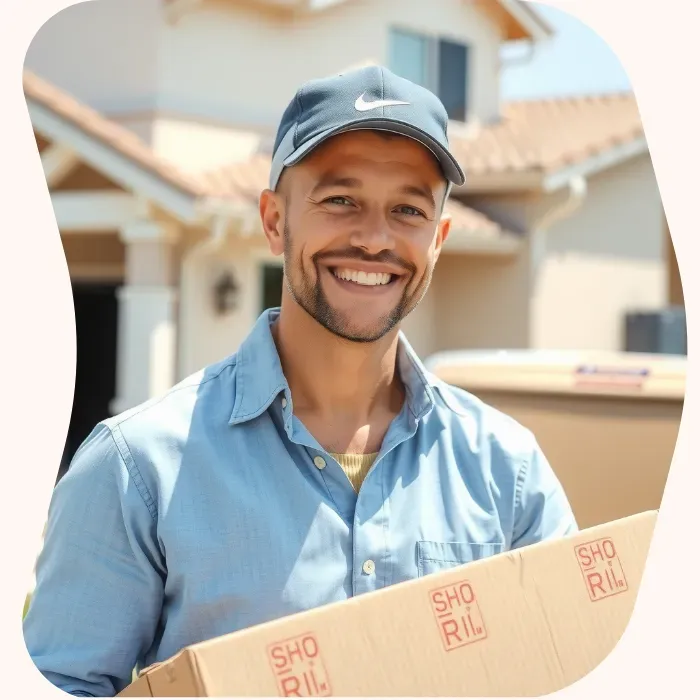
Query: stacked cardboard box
x,y
607,422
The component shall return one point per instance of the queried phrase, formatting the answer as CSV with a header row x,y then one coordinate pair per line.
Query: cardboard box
x,y
608,422
522,623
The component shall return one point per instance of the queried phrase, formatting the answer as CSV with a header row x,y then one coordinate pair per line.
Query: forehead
x,y
373,152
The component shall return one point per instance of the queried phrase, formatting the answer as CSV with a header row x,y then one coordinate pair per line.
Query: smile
x,y
366,279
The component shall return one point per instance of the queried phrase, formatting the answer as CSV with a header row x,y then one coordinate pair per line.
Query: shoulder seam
x,y
172,391
134,472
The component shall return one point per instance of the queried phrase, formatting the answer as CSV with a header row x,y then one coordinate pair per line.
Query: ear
x,y
272,215
443,231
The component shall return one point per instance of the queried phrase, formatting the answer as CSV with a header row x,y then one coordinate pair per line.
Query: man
x,y
321,461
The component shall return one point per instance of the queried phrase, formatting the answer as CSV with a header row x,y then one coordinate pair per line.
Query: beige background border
x,y
653,40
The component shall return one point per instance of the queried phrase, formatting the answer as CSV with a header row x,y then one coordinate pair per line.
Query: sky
x,y
575,61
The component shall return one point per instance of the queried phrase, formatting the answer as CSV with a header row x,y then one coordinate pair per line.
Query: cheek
x,y
424,256
298,258
311,237
431,253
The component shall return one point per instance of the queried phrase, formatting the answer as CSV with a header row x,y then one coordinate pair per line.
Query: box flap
x,y
140,688
177,678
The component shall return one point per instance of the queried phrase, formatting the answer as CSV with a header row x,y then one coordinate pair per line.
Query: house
x,y
154,121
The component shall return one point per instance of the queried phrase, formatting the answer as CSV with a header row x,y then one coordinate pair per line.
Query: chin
x,y
359,338
367,332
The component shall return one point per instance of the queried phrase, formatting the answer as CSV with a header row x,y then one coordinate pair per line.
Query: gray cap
x,y
367,98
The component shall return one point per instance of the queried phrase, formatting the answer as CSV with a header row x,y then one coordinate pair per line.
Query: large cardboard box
x,y
608,422
522,623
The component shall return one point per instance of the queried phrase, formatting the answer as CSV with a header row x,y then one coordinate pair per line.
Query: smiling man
x,y
320,461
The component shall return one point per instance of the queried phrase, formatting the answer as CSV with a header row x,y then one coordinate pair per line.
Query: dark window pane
x,y
452,83
272,286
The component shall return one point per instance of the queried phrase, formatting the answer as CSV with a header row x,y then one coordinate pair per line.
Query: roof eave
x,y
119,167
531,25
503,181
539,180
604,160
475,243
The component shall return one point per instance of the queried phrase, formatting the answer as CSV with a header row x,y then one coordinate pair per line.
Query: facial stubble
x,y
309,295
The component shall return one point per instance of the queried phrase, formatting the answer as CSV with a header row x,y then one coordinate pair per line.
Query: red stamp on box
x,y
601,568
298,667
457,614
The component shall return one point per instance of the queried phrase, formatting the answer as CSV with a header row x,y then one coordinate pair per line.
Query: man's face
x,y
359,224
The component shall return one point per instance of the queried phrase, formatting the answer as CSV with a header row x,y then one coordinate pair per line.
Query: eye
x,y
410,211
338,200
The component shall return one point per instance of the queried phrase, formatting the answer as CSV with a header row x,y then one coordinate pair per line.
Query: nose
x,y
373,234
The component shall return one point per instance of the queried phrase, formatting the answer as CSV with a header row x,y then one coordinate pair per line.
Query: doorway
x,y
96,362
272,281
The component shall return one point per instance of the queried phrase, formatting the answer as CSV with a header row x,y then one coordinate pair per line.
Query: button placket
x,y
370,543
339,487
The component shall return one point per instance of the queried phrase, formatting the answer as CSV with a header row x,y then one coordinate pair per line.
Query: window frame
x,y
434,39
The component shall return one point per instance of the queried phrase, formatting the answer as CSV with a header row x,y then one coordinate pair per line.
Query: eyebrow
x,y
330,180
424,192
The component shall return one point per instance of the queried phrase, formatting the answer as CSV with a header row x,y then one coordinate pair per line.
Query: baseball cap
x,y
371,97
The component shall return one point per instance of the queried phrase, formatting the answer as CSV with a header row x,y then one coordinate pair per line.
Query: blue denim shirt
x,y
212,508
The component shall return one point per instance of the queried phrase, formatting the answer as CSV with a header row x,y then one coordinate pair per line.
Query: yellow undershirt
x,y
355,467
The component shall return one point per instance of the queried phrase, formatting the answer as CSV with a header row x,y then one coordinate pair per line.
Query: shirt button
x,y
368,567
320,462
284,402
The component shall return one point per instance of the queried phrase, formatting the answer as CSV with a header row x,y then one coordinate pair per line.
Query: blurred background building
x,y
154,120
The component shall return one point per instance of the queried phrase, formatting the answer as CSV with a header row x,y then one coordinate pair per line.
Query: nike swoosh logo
x,y
362,106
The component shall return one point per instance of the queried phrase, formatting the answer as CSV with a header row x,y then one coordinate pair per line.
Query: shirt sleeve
x,y
100,575
542,509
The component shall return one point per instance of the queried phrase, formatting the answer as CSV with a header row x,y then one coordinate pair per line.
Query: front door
x,y
95,380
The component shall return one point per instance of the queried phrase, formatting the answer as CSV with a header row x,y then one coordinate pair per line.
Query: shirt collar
x,y
260,379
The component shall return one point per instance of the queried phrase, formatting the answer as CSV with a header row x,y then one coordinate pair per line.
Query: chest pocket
x,y
434,557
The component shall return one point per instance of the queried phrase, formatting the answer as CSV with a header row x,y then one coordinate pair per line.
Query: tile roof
x,y
108,132
546,135
242,181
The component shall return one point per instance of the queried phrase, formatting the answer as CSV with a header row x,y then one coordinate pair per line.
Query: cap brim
x,y
447,162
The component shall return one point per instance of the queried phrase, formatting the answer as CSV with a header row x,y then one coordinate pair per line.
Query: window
x,y
440,65
410,57
272,276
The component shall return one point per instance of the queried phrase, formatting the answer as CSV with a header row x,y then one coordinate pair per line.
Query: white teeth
x,y
368,279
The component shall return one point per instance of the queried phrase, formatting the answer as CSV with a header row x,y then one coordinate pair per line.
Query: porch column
x,y
146,347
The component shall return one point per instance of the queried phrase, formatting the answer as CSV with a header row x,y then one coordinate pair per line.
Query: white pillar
x,y
147,337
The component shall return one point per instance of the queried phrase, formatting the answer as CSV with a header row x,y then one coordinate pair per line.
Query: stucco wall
x,y
607,259
206,337
481,302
